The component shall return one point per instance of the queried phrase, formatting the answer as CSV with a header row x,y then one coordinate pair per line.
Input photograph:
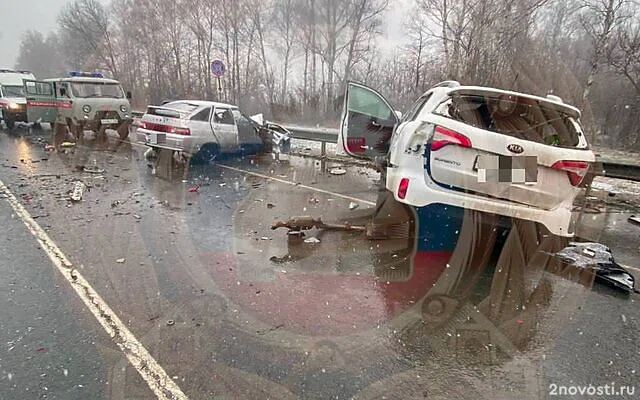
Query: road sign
x,y
217,67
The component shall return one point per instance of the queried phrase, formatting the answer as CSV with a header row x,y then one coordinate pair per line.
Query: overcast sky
x,y
19,16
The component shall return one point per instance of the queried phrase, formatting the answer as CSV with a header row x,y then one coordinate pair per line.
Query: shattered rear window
x,y
518,117
173,110
181,106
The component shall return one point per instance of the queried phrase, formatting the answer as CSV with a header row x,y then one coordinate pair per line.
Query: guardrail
x,y
618,170
607,167
322,135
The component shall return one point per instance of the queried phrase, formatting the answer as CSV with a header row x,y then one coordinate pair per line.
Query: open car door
x,y
41,101
367,123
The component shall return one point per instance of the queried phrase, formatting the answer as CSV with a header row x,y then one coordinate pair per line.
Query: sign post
x,y
217,68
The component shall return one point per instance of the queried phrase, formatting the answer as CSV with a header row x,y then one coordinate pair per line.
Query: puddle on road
x,y
456,304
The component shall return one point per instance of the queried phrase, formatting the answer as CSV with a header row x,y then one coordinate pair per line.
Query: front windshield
x,y
12,91
246,216
96,89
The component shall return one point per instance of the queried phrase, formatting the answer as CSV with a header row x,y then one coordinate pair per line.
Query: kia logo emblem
x,y
515,148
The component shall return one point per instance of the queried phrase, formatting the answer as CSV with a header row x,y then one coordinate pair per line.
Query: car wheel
x,y
207,154
37,127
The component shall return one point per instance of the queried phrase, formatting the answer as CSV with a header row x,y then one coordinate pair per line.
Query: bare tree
x,y
87,22
40,55
599,19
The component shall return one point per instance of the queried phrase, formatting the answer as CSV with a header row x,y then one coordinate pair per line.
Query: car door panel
x,y
367,123
224,127
42,103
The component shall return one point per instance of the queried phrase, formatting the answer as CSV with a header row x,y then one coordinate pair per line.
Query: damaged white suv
x,y
480,148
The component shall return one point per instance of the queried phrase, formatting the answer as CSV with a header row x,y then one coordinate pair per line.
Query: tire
x,y
207,154
37,127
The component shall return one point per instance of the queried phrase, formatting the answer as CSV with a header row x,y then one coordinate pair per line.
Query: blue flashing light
x,y
86,74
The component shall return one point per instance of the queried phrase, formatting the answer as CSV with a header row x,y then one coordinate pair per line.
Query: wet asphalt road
x,y
230,310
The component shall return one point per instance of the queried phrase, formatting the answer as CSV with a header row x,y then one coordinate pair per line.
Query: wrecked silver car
x,y
204,130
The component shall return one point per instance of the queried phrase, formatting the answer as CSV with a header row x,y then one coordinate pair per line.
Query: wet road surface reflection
x,y
439,302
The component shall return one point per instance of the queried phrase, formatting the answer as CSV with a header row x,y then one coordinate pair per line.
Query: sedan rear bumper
x,y
165,140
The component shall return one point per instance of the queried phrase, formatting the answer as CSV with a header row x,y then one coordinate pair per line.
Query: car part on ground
x,y
599,257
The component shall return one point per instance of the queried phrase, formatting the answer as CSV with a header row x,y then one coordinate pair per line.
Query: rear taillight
x,y
443,136
164,128
576,170
403,187
180,131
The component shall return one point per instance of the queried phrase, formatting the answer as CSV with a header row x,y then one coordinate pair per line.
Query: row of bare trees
x,y
292,58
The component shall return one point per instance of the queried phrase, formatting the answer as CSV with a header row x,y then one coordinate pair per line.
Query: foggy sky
x,y
18,16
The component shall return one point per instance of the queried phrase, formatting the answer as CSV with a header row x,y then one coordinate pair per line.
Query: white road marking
x,y
315,189
148,368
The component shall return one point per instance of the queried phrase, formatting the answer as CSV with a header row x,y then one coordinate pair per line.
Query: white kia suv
x,y
480,148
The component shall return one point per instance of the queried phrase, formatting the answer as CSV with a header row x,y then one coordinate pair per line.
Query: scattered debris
x,y
115,204
120,260
599,257
171,322
634,220
312,240
353,206
269,205
78,190
265,238
338,171
262,332
221,184
67,144
194,189
93,170
49,147
136,216
314,200
306,223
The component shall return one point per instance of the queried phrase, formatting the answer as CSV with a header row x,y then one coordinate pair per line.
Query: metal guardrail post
x,y
323,149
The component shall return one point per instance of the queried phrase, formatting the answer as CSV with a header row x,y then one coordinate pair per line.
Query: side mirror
x,y
128,95
63,92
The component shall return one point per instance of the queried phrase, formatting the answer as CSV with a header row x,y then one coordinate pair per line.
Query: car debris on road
x,y
599,257
77,192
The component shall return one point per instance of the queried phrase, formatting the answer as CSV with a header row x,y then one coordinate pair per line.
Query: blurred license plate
x,y
158,138
109,121
506,169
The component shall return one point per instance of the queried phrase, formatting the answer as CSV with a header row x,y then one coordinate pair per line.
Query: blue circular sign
x,y
217,67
